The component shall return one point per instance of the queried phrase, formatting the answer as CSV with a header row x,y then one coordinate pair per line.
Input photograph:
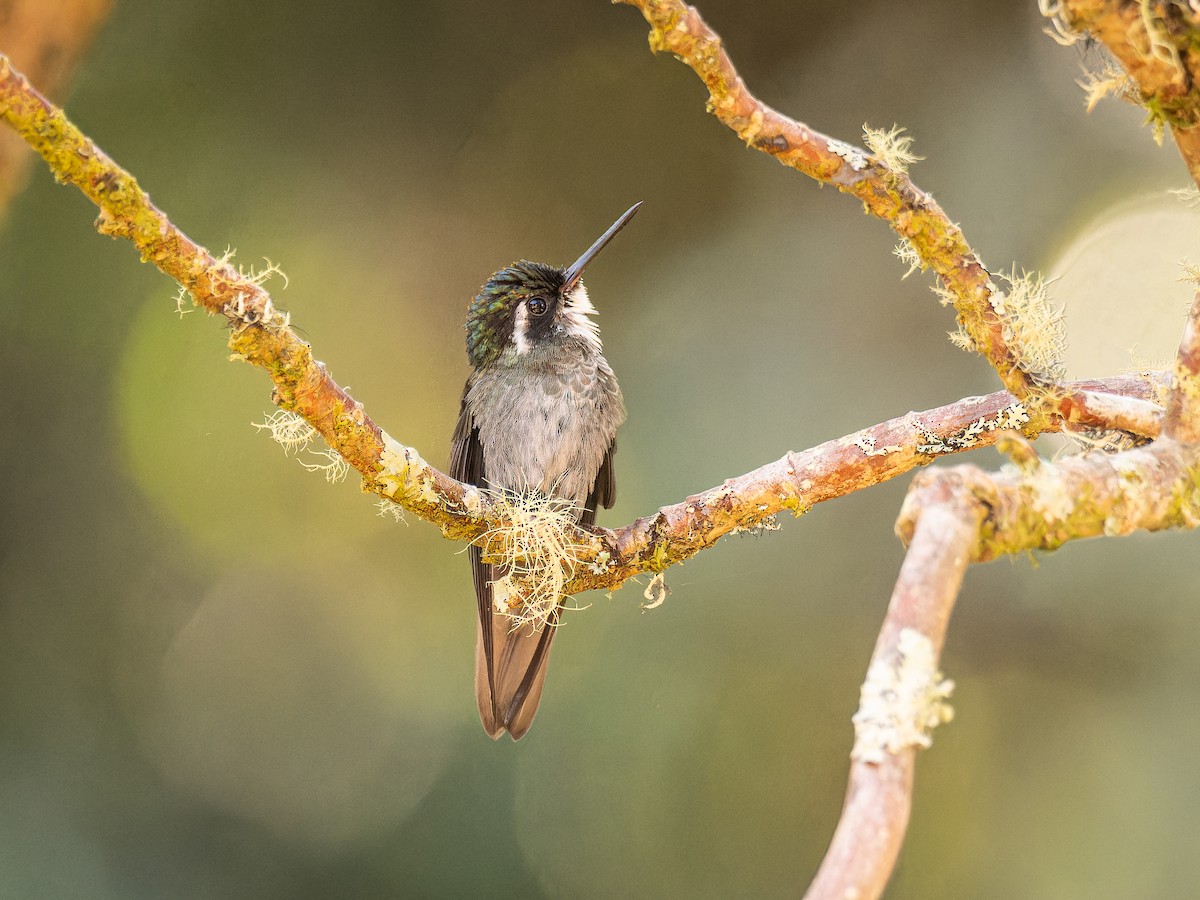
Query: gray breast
x,y
546,423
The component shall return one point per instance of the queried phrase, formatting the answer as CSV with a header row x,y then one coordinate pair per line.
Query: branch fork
x,y
951,518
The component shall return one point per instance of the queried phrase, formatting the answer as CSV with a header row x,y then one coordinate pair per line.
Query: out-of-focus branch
x,y
903,698
953,517
1183,404
1155,42
47,40
884,188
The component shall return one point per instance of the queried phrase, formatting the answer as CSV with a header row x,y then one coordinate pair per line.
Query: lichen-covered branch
x,y
884,188
903,698
953,517
261,335
800,480
1183,404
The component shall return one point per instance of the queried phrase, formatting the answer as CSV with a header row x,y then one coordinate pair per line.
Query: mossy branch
x,y
951,518
259,333
877,179
262,336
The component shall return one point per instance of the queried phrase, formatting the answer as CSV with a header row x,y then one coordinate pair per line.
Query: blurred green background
x,y
221,677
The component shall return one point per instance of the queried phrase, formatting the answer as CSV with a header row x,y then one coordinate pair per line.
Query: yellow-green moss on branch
x,y
260,334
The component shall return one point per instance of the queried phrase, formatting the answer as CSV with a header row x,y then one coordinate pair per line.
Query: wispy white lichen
x,y
902,700
1189,273
1033,325
181,302
907,254
1110,81
263,275
537,554
386,507
332,466
1188,196
288,430
1058,30
295,436
892,147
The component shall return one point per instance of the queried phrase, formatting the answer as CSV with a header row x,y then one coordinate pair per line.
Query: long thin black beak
x,y
575,272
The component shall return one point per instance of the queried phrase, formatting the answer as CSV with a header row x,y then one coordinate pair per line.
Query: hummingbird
x,y
540,412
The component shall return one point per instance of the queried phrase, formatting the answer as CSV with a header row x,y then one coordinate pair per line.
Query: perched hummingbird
x,y
540,412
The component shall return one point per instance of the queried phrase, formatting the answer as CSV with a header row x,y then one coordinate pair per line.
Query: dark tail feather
x,y
510,665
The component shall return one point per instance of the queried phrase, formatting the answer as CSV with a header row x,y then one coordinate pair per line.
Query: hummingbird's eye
x,y
536,305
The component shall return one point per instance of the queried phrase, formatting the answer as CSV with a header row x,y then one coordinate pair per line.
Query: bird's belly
x,y
541,434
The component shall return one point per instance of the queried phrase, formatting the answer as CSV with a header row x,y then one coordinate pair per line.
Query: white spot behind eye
x,y
520,335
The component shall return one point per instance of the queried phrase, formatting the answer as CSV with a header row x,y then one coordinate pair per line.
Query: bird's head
x,y
528,304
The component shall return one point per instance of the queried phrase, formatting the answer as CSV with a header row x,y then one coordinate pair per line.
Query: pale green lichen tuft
x,y
1033,326
902,700
892,147
535,554
907,254
288,430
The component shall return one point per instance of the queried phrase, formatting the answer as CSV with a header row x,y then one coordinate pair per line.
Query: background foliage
x,y
223,678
